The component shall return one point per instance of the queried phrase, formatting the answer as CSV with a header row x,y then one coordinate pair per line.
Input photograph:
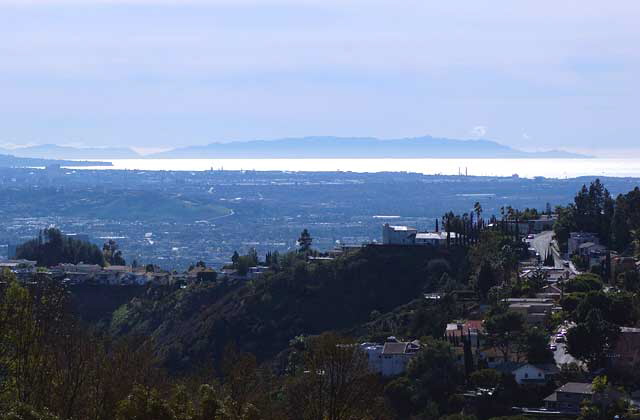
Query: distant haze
x,y
160,74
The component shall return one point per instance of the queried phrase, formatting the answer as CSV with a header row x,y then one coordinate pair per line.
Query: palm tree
x,y
477,208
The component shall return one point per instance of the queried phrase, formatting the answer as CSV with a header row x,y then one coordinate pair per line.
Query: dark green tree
x,y
591,340
304,241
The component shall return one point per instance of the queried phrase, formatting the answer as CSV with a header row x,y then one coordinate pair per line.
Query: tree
x,y
591,340
584,283
536,346
477,208
235,257
485,378
112,253
504,330
486,279
304,241
336,383
434,374
144,404
52,247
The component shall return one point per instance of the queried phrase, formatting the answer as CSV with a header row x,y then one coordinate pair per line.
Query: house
x,y
527,373
398,235
569,397
626,352
404,235
578,238
535,310
392,357
550,292
433,238
18,264
472,330
593,253
257,271
493,358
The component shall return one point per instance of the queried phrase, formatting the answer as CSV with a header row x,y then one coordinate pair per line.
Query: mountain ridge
x,y
11,161
358,147
54,151
308,147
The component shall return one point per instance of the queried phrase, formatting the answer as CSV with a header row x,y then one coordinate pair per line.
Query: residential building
x,y
578,238
569,397
398,235
433,238
392,357
471,330
527,373
535,310
626,352
404,235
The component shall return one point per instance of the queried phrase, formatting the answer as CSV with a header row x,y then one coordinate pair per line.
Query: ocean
x,y
526,168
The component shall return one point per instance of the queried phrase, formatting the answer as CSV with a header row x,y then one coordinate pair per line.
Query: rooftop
x,y
576,388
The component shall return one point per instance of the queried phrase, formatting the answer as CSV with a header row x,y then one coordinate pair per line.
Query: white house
x,y
534,374
404,235
398,235
433,238
392,357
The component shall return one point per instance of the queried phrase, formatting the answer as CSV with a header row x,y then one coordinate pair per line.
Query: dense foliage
x,y
52,247
617,222
297,297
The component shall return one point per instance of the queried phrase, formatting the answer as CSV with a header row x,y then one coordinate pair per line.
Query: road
x,y
542,244
561,356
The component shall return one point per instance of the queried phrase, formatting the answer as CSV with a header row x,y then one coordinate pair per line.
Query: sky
x,y
157,74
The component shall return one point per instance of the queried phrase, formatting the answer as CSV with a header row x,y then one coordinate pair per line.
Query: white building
x,y
405,235
539,374
392,357
398,235
433,238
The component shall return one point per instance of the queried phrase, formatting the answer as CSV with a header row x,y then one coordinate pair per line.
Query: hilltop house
x,y
398,235
405,235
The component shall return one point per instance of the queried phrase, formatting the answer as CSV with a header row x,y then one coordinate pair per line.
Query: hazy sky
x,y
153,74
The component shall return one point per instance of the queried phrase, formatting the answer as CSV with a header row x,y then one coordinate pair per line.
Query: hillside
x,y
358,147
261,317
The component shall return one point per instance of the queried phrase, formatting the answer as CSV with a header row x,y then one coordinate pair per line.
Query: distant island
x,y
306,148
53,151
358,147
20,162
